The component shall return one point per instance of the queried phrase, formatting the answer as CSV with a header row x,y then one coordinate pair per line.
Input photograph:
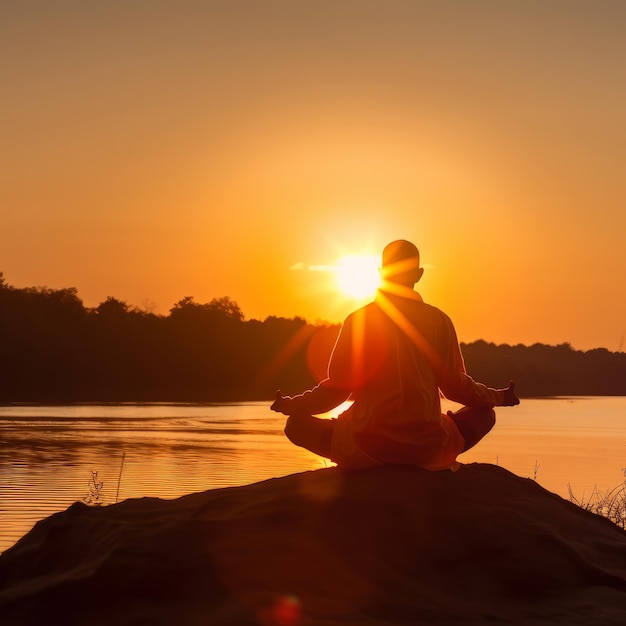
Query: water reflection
x,y
47,454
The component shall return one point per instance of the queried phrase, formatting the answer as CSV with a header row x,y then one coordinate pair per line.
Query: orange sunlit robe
x,y
392,358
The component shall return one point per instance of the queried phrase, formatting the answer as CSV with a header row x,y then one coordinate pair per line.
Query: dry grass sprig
x,y
610,504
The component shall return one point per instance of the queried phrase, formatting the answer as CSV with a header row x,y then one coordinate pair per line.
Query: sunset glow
x,y
155,153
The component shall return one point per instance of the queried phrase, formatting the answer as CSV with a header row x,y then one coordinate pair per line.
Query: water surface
x,y
48,453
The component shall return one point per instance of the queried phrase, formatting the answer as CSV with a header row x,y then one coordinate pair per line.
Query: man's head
x,y
401,263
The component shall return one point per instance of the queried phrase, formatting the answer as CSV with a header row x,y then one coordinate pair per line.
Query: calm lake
x,y
48,453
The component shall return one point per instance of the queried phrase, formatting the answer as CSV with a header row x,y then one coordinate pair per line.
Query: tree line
x,y
54,349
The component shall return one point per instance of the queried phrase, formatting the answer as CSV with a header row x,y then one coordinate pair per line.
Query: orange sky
x,y
157,149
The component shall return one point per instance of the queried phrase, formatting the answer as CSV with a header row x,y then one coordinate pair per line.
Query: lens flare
x,y
285,612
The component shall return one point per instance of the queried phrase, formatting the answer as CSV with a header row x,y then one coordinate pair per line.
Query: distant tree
x,y
148,306
228,307
224,305
112,306
184,303
66,298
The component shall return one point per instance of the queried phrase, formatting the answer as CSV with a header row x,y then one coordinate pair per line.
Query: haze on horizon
x,y
157,149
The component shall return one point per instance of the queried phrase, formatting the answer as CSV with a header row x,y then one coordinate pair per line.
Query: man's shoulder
x,y
435,313
434,310
370,316
368,310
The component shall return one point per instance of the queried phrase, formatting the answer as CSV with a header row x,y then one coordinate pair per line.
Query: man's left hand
x,y
281,403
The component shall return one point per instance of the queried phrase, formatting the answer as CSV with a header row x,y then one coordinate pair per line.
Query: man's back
x,y
391,354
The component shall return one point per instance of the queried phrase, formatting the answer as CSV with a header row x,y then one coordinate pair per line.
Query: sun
x,y
357,276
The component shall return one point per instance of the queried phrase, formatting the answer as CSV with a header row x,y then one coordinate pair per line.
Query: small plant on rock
x,y
94,497
611,504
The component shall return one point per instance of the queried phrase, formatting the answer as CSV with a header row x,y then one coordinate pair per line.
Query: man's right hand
x,y
510,397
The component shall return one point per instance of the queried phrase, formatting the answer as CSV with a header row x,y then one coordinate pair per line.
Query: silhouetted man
x,y
392,358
